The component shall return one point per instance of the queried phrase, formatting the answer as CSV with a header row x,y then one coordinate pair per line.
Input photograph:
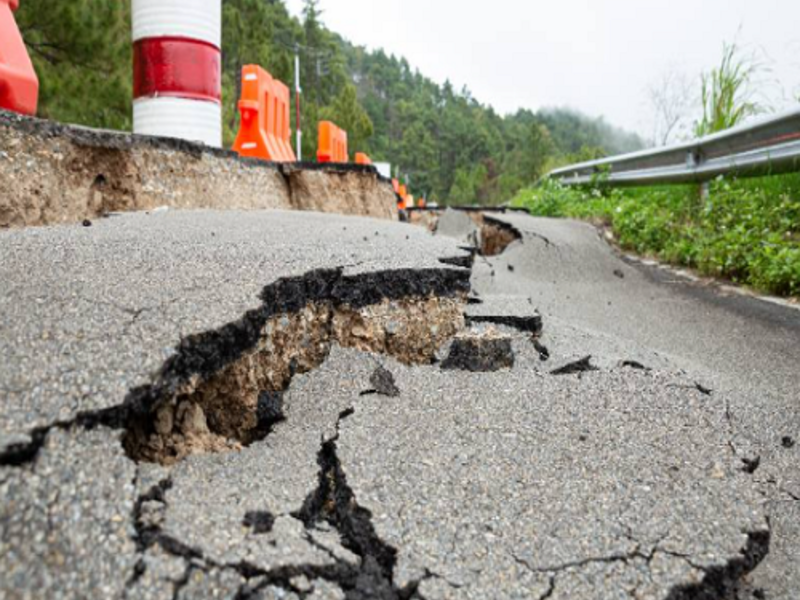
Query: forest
x,y
443,141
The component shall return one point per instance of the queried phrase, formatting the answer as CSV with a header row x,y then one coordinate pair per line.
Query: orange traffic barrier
x,y
422,203
332,144
396,186
264,131
362,159
409,201
19,86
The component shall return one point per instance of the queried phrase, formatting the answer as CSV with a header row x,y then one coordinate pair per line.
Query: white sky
x,y
598,56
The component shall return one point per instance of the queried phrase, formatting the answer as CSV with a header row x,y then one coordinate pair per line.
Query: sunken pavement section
x,y
281,405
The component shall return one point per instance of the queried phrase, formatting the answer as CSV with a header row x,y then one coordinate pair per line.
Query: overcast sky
x,y
599,56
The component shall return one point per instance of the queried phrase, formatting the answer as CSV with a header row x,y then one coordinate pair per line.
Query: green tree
x,y
467,185
348,114
82,54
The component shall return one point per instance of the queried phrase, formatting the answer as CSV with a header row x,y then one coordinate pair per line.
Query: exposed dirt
x,y
347,192
224,412
426,219
494,238
57,174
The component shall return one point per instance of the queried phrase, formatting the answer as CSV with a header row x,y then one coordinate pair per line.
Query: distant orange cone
x,y
332,144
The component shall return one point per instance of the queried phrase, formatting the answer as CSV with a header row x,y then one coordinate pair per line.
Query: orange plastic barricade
x,y
409,201
332,145
362,159
264,131
422,203
19,86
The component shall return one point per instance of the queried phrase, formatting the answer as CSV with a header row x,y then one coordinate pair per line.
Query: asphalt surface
x,y
90,313
661,467
744,349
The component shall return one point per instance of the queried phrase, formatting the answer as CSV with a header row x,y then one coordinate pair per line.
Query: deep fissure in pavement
x,y
496,236
301,335
217,392
531,325
723,582
332,502
335,503
492,237
222,390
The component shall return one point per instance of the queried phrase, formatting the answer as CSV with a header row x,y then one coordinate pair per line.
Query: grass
x,y
726,93
747,231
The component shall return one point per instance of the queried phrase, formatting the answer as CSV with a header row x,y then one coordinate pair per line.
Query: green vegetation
x,y
726,93
447,144
82,54
747,231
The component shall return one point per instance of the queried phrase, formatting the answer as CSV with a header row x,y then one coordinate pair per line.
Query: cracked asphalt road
x,y
746,350
667,471
91,313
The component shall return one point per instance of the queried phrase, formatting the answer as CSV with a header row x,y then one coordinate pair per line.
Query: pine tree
x,y
81,50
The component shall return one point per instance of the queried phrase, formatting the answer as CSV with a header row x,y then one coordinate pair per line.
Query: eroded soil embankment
x,y
55,174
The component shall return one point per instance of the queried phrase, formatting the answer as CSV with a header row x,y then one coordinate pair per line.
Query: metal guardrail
x,y
769,146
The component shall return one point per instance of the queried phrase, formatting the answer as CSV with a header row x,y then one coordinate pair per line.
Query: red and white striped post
x,y
177,81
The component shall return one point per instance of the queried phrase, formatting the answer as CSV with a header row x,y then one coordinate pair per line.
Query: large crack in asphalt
x,y
723,582
209,391
496,236
335,503
298,321
149,534
332,502
490,237
229,404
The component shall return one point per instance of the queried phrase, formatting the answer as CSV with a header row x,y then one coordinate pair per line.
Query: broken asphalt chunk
x,y
751,465
480,353
260,522
382,381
